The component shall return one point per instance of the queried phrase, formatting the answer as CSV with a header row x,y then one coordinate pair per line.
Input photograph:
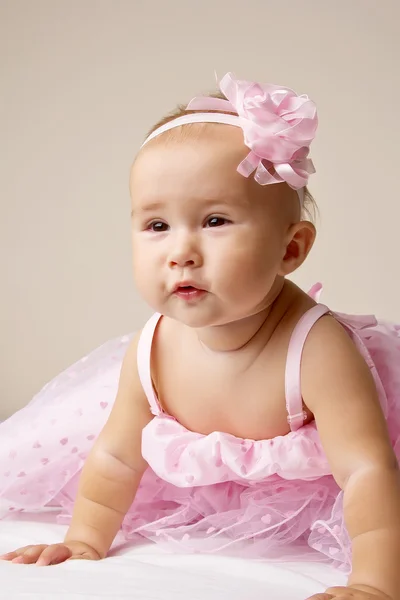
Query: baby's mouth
x,y
189,292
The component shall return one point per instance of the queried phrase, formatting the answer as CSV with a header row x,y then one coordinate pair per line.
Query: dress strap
x,y
144,361
294,399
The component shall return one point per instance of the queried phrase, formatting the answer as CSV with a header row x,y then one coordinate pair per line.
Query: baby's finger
x,y
16,553
19,560
29,555
8,556
54,555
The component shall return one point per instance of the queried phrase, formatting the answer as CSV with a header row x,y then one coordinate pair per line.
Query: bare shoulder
x,y
121,436
130,388
332,360
329,348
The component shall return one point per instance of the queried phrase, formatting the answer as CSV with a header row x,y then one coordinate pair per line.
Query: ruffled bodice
x,y
185,458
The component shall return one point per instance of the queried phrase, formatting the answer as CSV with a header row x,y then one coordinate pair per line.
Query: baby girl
x,y
249,418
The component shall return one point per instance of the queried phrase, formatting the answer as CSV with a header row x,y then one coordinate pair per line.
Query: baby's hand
x,y
350,593
54,554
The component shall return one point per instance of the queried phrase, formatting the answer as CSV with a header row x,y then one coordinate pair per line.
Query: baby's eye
x,y
216,221
158,226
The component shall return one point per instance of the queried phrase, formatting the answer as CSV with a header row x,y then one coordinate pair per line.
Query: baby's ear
x,y
299,241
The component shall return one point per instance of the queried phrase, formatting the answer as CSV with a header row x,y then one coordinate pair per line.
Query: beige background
x,y
82,80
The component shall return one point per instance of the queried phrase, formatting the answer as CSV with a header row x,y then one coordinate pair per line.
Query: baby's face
x,y
200,225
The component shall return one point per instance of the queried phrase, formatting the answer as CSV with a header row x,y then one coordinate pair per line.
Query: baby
x,y
248,418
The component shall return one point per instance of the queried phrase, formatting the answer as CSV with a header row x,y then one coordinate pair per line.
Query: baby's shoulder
x,y
328,335
330,355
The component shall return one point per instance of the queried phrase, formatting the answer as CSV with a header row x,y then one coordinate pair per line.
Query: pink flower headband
x,y
278,128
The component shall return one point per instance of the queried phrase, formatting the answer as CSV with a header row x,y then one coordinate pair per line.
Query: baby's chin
x,y
193,318
193,314
201,317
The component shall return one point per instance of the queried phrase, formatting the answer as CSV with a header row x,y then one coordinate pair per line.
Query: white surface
x,y
143,572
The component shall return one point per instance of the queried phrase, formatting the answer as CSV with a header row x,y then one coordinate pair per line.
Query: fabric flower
x,y
278,128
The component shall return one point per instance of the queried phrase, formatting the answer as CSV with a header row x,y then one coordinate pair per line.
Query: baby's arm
x,y
109,480
114,467
338,388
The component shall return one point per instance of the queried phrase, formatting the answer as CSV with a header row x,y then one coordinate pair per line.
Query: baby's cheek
x,y
250,261
144,276
237,273
248,279
144,260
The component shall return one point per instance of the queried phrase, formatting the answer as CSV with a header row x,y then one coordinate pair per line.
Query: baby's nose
x,y
185,253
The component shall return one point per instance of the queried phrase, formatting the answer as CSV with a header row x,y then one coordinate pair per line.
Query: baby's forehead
x,y
205,159
203,167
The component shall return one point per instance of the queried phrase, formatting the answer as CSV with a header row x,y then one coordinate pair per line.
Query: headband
x,y
278,127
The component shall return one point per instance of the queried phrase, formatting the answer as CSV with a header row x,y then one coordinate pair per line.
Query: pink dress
x,y
202,493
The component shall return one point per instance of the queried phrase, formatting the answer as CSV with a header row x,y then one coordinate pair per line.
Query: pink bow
x,y
355,321
278,127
